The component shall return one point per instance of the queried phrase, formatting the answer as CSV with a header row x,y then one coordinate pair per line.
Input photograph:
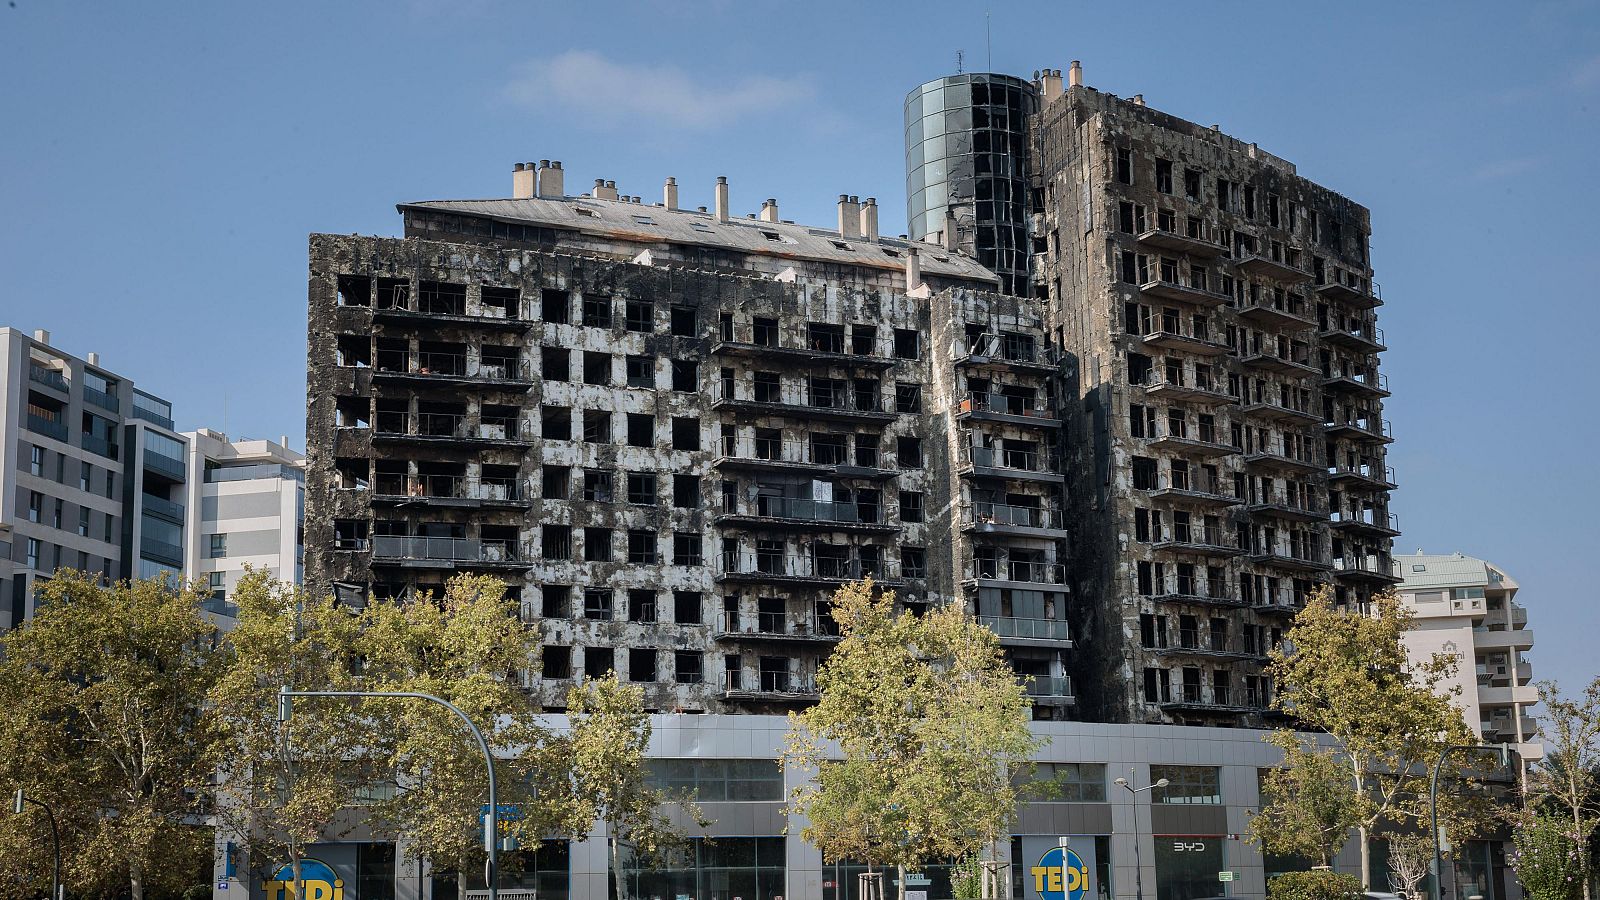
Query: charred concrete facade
x,y
675,433
1223,400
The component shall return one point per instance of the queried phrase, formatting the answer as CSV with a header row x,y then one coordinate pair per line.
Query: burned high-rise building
x,y
674,433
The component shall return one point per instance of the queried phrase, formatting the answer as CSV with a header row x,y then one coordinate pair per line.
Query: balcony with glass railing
x,y
160,506
442,552
1049,689
1001,518
49,427
1002,462
780,568
1028,632
51,378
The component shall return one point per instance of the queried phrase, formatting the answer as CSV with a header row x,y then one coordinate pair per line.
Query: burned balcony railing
x,y
1276,307
447,487
441,550
777,454
1180,386
1348,287
1368,382
1005,462
1303,459
1197,590
1278,269
1371,476
1275,409
1377,567
1173,333
1361,426
453,307
1196,238
1211,540
1297,556
446,427
1199,643
825,514
452,366
1205,440
1019,571
985,516
1005,348
1008,407
1290,361
1286,506
1360,333
1369,522
1196,487
779,567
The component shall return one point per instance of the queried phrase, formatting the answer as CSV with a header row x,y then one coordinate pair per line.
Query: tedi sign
x,y
317,882
1060,875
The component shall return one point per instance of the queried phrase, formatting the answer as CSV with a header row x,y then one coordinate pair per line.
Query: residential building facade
x,y
1466,608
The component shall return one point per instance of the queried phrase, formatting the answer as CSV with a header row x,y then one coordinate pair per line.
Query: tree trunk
x,y
901,871
1365,837
616,867
135,882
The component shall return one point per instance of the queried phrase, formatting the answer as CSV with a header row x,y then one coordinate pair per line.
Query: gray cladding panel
x,y
1064,818
1166,818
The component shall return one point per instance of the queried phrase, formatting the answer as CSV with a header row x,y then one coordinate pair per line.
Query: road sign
x,y
1225,876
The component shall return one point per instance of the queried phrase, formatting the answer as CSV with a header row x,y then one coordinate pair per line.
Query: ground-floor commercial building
x,y
1173,844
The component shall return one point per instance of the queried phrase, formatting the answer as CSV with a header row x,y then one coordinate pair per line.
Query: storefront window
x,y
842,881
375,871
750,868
1187,865
1187,784
1094,851
546,869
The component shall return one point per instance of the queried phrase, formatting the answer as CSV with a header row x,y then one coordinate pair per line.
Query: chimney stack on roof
x,y
721,199
94,358
1049,84
42,336
948,235
552,180
769,210
1138,99
849,217
669,193
1075,74
522,181
869,219
913,269
604,190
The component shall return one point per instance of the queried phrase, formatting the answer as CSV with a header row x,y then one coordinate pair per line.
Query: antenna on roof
x,y
988,45
960,57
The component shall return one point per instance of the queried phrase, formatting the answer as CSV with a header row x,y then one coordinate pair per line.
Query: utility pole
x,y
1138,864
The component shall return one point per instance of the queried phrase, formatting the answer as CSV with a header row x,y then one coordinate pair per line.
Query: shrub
x,y
1547,860
1317,885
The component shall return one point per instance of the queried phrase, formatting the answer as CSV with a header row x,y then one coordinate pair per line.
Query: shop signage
x,y
1060,875
1225,876
318,882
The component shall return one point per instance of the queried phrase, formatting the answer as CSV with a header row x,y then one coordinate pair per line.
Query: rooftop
x,y
1433,570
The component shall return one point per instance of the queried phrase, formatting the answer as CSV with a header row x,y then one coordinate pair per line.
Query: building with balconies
x,y
1466,608
1222,394
675,433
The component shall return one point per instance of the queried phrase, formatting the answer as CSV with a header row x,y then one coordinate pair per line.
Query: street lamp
x,y
491,821
1433,803
55,839
1138,864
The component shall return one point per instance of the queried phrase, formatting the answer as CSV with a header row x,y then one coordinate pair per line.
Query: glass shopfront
x,y
729,868
1187,866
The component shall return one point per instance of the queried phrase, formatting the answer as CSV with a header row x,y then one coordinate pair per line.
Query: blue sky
x,y
161,165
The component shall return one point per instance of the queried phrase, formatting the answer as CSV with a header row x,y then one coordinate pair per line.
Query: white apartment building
x,y
250,499
1466,607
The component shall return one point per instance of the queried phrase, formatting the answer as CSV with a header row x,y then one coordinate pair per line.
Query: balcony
x,y
1301,509
162,508
1507,695
433,309
841,405
1171,289
818,356
1280,606
1297,461
1276,269
1028,632
1193,702
1181,538
1299,559
1049,690
1370,568
805,457
50,378
159,463
446,553
1361,384
50,428
1360,428
1225,597
1360,335
782,568
990,407
1297,364
1199,491
1275,309
449,428
1366,476
1366,523
1000,462
999,518
1484,639
1207,442
1167,334
102,399
996,573
1277,411
1197,243
772,687
1158,386
809,515
1007,351
447,491
779,630
111,450
161,551
1192,644
1348,288
452,368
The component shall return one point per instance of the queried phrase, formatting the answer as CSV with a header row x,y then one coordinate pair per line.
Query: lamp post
x,y
491,821
56,892
1437,865
1138,864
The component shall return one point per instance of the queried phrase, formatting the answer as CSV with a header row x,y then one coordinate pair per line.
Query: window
x,y
686,607
640,316
725,780
597,604
597,545
598,662
56,515
555,363
908,452
219,546
35,507
907,397
686,491
689,666
684,321
685,376
911,506
1187,784
685,434
555,306
641,664
641,606
597,486
557,662
642,547
555,423
1124,165
1069,782
557,540
641,372
686,549
914,562
1191,184
1144,474
216,583
36,461
85,476
597,311
110,528
556,600
32,555
556,482
596,426
642,488
641,430
1164,176
83,521
596,367
907,344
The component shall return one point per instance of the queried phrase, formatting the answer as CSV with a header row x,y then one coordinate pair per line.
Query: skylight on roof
x,y
644,220
841,245
895,254
701,226
772,235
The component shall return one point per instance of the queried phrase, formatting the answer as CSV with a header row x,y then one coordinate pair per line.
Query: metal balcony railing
x,y
1291,553
793,565
450,425
996,569
1363,330
1278,305
48,377
1368,564
817,510
985,513
454,365
1369,423
1007,347
1007,404
1194,535
811,453
1004,458
1371,518
1157,379
1309,506
52,428
842,400
438,548
1365,471
1367,378
456,487
1047,686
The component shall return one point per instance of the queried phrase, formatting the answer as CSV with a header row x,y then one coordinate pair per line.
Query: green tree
x,y
1346,672
100,702
1547,858
1565,778
929,724
608,735
283,786
1307,807
468,647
